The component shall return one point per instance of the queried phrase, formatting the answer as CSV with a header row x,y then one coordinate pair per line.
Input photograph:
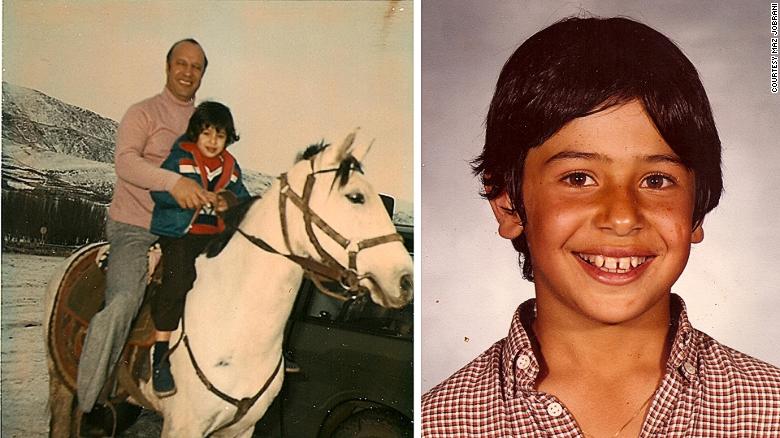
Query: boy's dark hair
x,y
187,40
212,114
580,66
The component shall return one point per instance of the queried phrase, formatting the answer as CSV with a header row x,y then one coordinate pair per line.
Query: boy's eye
x,y
657,181
579,179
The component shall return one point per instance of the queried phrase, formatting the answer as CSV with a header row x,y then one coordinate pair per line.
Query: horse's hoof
x,y
103,421
96,423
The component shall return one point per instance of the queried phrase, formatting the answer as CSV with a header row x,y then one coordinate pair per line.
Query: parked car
x,y
356,368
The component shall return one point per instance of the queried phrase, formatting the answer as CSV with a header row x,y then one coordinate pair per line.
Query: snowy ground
x,y
24,381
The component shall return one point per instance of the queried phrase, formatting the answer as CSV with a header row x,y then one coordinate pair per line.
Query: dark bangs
x,y
215,115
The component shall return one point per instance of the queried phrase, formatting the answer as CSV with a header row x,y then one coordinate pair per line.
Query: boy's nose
x,y
620,212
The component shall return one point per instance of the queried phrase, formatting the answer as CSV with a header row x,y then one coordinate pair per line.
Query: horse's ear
x,y
360,151
333,155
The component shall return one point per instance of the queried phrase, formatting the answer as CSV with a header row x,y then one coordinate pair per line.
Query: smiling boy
x,y
201,156
601,160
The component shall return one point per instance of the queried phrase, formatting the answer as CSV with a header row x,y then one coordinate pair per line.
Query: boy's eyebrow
x,y
577,155
664,158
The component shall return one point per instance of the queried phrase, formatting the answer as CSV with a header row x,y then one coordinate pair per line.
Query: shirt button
x,y
554,409
689,368
523,361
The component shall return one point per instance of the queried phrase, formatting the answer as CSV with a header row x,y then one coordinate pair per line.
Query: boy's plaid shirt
x,y
709,390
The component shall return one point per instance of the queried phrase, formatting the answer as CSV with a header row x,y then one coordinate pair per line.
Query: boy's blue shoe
x,y
162,380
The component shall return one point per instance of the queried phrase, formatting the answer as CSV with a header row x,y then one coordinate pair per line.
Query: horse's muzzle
x,y
407,287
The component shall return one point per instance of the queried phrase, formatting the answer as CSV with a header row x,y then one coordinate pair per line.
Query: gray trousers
x,y
108,330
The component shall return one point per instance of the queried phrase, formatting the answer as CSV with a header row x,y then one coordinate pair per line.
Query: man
x,y
144,139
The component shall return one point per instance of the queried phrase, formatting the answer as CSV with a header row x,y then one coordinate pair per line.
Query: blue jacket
x,y
168,219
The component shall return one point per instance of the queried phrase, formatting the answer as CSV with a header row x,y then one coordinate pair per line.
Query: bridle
x,y
327,268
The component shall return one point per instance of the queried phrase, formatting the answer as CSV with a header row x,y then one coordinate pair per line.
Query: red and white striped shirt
x,y
708,390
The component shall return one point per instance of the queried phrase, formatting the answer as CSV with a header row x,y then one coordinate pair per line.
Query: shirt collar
x,y
168,96
519,363
520,366
683,357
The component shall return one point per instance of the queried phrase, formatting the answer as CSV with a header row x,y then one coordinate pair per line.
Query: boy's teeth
x,y
613,264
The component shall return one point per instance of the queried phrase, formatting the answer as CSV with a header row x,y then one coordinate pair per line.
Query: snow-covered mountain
x,y
33,118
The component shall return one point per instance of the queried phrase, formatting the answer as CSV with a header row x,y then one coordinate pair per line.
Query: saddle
x,y
80,296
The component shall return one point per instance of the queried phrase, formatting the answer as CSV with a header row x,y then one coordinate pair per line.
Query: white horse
x,y
321,218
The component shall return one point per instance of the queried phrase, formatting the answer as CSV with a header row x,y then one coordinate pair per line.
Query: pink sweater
x,y
143,141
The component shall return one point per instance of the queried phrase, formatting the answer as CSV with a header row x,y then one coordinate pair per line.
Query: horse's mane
x,y
232,217
347,165
311,150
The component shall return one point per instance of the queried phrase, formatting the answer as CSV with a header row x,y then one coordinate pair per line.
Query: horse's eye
x,y
356,198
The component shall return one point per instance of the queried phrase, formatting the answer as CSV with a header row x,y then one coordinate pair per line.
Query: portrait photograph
x,y
506,84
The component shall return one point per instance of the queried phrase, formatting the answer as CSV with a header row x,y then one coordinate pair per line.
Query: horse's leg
x,y
63,421
246,433
168,429
175,429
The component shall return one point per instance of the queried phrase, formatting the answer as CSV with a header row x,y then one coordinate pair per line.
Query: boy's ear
x,y
697,235
509,223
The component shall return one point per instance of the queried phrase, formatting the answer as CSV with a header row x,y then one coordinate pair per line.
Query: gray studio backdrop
x,y
471,284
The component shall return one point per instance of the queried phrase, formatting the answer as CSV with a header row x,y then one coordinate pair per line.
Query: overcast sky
x,y
291,72
471,281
